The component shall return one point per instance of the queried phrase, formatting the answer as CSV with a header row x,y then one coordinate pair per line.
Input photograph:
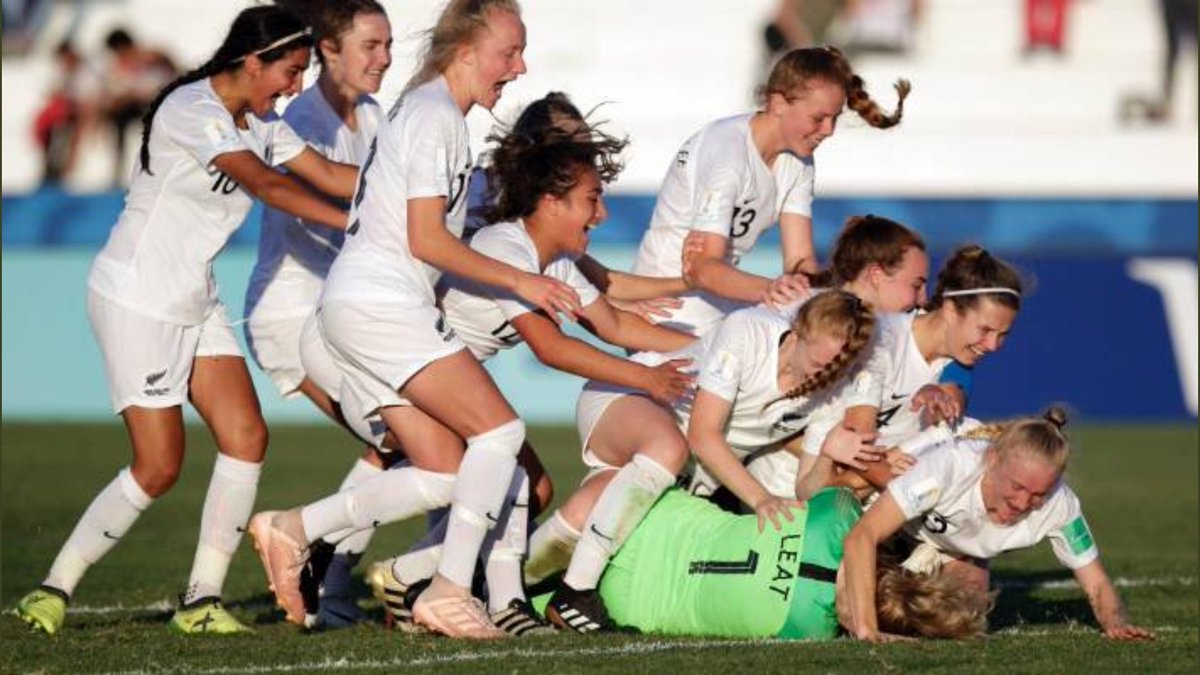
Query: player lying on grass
x,y
550,197
970,497
761,378
690,568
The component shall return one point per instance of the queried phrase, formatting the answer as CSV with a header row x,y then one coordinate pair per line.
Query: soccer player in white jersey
x,y
337,116
549,199
209,141
739,175
991,489
974,306
760,377
379,317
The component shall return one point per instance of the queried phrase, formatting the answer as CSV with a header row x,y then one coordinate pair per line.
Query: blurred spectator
x,y
1179,20
880,26
134,76
69,113
1045,25
20,21
886,26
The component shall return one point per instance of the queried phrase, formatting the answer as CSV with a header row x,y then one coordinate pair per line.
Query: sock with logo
x,y
350,542
622,505
227,507
391,495
550,548
106,520
505,545
483,480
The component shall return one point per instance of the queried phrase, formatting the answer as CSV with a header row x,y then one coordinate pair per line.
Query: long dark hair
x,y
253,30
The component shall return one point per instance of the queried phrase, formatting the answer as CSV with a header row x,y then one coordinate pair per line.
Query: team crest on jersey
x,y
681,159
924,494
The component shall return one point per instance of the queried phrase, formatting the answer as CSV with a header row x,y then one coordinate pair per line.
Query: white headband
x,y
280,42
981,291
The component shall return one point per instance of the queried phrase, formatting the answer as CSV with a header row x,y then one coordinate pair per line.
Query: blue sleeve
x,y
960,375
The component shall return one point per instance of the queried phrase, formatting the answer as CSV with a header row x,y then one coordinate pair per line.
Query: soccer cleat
x,y
44,609
393,594
456,616
519,619
579,611
284,559
206,616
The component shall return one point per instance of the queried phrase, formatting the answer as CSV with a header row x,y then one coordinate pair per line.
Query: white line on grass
x,y
635,648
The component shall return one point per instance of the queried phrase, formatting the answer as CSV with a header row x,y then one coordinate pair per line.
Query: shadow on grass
x,y
1018,605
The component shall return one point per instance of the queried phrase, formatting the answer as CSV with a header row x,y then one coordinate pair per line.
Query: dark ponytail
x,y
253,29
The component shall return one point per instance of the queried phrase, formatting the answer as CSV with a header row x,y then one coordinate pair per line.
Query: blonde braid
x,y
832,313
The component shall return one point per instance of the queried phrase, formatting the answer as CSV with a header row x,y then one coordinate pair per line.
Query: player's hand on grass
x,y
937,405
851,448
899,461
771,508
668,382
1128,632
550,294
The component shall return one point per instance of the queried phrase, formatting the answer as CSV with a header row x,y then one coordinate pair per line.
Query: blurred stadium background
x,y
1028,154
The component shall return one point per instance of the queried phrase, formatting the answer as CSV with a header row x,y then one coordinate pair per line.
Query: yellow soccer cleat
x,y
44,609
206,616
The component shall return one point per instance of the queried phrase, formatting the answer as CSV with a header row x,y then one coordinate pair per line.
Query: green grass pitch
x,y
1138,485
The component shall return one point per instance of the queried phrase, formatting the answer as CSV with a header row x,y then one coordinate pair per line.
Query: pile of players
x,y
392,265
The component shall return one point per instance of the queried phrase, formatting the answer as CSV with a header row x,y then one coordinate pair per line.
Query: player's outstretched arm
x,y
278,190
333,178
1106,604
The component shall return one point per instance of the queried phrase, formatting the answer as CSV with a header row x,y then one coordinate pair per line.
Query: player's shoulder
x,y
752,324
190,98
503,239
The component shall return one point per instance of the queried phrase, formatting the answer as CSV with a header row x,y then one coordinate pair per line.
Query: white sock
x,y
483,479
385,498
106,520
620,508
421,561
355,541
550,548
227,507
505,546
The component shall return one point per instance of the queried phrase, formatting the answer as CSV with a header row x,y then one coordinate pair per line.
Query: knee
x,y
673,455
156,477
248,441
542,493
504,439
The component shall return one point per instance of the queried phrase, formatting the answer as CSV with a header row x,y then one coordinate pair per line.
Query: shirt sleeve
x,y
1071,538
725,363
286,144
203,128
715,194
920,488
796,188
493,243
564,270
429,153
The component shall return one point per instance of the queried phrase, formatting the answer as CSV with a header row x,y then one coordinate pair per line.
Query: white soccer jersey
x,y
158,259
942,500
739,362
420,151
482,315
719,184
294,255
897,370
